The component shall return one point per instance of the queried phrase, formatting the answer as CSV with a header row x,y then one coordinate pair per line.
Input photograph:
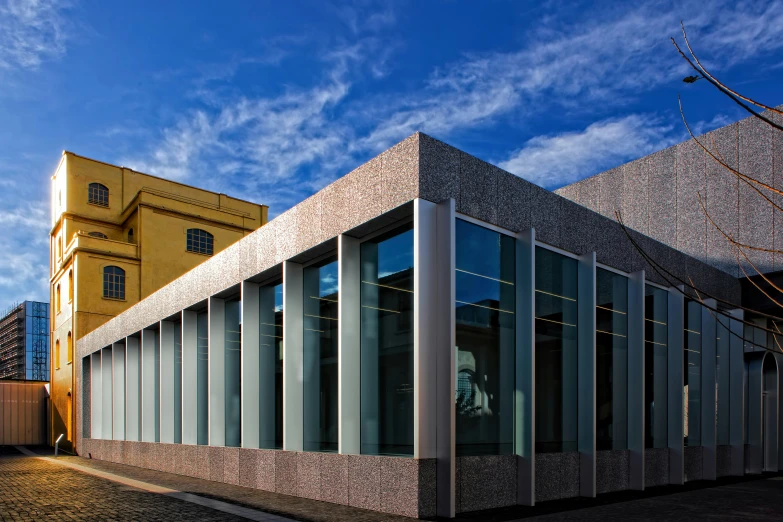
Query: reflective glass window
x,y
723,377
233,372
270,372
202,376
656,342
485,340
387,344
320,356
692,374
611,360
556,352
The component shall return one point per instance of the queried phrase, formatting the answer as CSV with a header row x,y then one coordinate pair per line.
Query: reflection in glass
x,y
270,362
611,360
722,372
656,342
692,374
387,344
202,376
320,356
178,382
233,375
556,352
485,340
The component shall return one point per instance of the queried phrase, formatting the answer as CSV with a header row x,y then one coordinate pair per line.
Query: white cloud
x,y
24,262
560,159
31,31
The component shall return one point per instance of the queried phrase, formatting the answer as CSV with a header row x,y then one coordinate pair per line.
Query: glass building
x,y
24,342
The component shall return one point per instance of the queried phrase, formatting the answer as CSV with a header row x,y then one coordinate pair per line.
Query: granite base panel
x,y
694,463
395,485
723,457
656,467
612,472
557,476
485,482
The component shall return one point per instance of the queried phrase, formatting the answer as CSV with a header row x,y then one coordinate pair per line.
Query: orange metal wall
x,y
22,412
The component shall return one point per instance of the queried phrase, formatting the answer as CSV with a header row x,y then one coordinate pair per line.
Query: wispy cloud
x,y
556,160
24,266
31,31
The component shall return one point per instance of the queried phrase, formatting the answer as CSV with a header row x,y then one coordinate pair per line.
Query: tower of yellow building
x,y
117,236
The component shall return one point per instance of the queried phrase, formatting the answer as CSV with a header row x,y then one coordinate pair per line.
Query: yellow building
x,y
118,236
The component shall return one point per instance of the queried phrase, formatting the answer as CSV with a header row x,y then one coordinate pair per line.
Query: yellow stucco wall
x,y
159,212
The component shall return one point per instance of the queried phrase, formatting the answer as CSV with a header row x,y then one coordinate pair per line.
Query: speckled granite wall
x,y
656,467
485,482
396,485
557,476
612,470
657,194
694,461
723,457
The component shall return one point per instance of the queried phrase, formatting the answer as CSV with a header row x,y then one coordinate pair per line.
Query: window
x,y
270,353
692,374
70,348
114,282
57,354
656,353
556,352
70,285
199,241
98,194
320,356
232,358
484,311
57,298
611,312
100,235
386,390
130,235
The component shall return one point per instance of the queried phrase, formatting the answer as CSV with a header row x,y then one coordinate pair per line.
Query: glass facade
x,y
320,301
233,372
556,352
692,374
611,360
178,382
270,373
386,415
485,340
656,364
722,378
202,377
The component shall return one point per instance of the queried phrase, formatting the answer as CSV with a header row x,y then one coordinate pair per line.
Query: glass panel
x,y
485,341
178,382
202,375
270,371
656,339
556,352
611,360
387,344
692,374
722,369
233,372
320,356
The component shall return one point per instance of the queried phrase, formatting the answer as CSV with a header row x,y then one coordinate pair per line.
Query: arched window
x,y
70,348
199,241
57,354
57,298
114,282
98,234
70,285
98,194
130,235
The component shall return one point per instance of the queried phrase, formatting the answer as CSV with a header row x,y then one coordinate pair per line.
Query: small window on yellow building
x,y
199,241
57,298
70,348
114,282
70,285
98,194
98,234
57,354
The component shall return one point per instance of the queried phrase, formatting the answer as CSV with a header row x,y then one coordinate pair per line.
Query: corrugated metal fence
x,y
23,408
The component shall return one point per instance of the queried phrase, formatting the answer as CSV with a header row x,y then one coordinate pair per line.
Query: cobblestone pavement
x,y
33,489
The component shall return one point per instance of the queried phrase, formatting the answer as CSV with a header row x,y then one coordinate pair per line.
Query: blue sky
x,y
271,101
